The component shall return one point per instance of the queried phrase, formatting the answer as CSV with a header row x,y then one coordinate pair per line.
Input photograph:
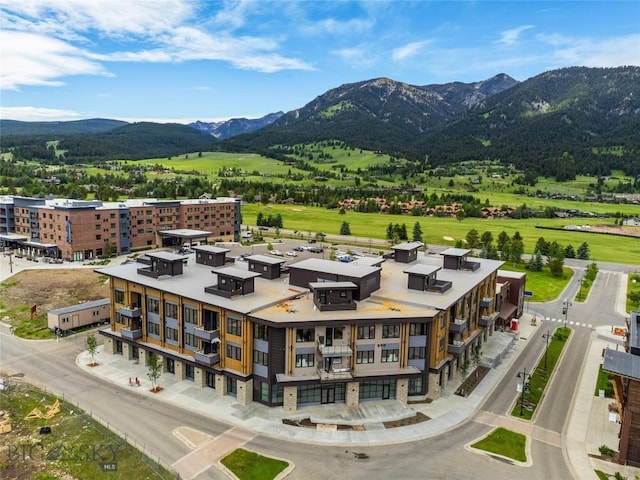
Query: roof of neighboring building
x,y
352,269
509,274
422,269
80,306
236,273
265,259
407,246
171,257
455,252
185,233
332,285
210,249
368,261
621,363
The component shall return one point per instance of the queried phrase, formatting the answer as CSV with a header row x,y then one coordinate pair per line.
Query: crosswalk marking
x,y
562,320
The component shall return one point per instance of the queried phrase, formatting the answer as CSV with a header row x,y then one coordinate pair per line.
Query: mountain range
x,y
559,123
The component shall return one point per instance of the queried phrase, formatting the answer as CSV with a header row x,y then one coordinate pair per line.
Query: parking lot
x,y
292,250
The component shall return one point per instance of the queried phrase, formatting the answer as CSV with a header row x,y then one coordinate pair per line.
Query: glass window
x,y
417,329
366,332
260,332
190,314
391,331
415,386
305,360
170,310
389,356
153,305
234,326
305,335
234,352
365,357
190,340
417,353
153,329
171,334
260,358
118,295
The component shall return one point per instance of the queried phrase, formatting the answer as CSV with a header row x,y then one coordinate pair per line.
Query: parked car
x,y
316,250
291,254
276,252
344,258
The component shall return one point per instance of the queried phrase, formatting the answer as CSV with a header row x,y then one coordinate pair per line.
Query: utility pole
x,y
10,261
565,310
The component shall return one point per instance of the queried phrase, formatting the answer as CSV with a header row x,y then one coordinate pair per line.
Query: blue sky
x,y
186,60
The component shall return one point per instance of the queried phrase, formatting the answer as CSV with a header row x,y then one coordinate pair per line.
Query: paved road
x,y
151,423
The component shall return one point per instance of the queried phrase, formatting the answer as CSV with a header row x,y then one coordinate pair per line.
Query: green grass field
x,y
314,219
504,442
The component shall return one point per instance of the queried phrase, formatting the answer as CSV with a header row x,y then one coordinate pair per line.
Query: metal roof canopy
x,y
187,233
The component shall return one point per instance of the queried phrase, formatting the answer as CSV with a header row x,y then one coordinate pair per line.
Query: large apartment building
x,y
86,229
312,332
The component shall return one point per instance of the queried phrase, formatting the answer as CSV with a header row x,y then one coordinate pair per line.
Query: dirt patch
x,y
46,289
52,288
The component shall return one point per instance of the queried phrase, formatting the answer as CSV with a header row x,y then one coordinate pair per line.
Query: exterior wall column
x,y
245,392
142,356
435,390
199,378
353,394
221,385
127,352
290,403
109,346
402,390
179,367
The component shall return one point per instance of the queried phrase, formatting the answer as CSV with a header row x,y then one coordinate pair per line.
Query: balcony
x,y
207,358
488,320
207,335
130,333
438,286
130,312
467,265
486,302
458,325
335,350
335,374
456,348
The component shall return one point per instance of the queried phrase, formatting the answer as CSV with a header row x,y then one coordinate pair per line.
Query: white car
x,y
276,252
291,254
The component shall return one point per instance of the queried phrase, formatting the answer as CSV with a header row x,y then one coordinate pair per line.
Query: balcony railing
x,y
439,286
207,358
130,312
456,348
207,335
131,334
335,350
335,374
486,302
488,320
458,325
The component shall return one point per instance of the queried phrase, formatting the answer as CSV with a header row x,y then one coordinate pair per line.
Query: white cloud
x,y
510,37
358,57
611,52
44,41
39,114
407,51
32,59
331,26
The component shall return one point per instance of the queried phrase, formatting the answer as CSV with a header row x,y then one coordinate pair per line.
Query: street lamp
x,y
547,336
580,292
525,387
565,310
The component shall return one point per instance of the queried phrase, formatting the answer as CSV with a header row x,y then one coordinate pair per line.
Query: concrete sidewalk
x,y
582,437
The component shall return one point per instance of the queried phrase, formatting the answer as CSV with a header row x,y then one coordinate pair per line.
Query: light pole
x,y
525,387
565,310
546,337
580,292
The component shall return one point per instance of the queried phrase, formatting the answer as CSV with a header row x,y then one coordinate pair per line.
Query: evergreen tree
x,y
569,252
486,239
260,219
390,232
542,246
472,238
535,262
555,259
345,229
583,251
503,238
417,232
